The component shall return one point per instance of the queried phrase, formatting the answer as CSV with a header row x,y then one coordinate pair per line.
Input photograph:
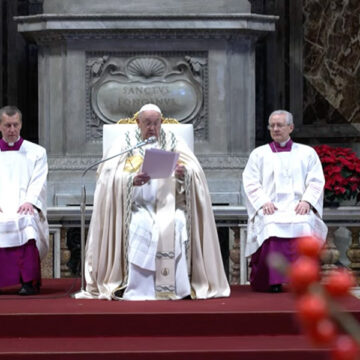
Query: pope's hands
x,y
269,208
26,208
141,179
302,208
180,171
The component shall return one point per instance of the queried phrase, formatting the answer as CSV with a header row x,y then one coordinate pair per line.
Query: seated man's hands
x,y
180,171
269,208
141,179
26,208
302,208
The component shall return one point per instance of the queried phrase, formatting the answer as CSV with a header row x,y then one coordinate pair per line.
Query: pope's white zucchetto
x,y
148,107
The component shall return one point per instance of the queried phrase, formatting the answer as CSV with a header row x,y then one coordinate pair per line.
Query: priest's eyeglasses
x,y
279,126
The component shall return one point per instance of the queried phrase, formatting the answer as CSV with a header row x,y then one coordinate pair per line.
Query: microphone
x,y
149,140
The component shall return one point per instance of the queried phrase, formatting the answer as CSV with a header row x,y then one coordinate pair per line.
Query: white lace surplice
x,y
283,178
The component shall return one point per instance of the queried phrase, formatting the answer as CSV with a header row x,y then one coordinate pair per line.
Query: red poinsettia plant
x,y
342,173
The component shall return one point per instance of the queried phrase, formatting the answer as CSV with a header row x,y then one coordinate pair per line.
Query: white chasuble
x,y
157,269
23,179
284,178
156,241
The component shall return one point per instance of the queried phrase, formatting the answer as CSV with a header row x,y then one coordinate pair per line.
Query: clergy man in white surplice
x,y
283,183
23,224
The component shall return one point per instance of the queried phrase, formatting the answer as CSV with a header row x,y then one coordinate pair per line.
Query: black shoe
x,y
277,288
28,289
118,294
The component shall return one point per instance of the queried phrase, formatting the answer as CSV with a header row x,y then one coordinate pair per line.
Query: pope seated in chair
x,y
152,238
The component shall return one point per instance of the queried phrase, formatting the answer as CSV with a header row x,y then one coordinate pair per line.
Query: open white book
x,y
159,164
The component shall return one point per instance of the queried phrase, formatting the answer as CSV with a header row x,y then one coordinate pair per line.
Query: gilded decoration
x,y
132,120
118,85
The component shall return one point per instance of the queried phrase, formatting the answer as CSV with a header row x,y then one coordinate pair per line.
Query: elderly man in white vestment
x,y
283,183
152,238
23,224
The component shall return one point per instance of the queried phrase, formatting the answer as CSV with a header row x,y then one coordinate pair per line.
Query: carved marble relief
x,y
332,60
119,84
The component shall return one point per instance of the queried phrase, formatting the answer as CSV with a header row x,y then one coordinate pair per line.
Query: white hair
x,y
289,117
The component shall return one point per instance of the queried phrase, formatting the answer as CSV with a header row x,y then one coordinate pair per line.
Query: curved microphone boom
x,y
150,140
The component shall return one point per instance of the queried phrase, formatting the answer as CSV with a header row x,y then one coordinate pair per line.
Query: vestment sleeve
x,y
36,191
253,187
314,184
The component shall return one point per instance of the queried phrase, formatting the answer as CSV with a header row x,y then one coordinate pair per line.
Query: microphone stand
x,y
150,140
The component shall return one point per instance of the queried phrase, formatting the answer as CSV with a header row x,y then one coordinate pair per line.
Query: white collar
x,y
13,143
282,144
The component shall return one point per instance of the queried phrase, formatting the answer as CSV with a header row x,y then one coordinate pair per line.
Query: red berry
x,y
308,246
339,282
345,348
323,332
312,309
303,272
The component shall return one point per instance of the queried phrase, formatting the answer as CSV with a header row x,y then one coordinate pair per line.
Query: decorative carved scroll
x,y
119,85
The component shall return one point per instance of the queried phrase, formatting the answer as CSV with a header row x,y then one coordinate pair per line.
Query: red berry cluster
x,y
314,300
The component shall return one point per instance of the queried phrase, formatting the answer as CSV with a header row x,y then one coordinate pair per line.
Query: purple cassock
x,y
262,276
20,263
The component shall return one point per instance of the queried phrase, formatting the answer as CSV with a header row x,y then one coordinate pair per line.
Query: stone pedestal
x,y
101,61
354,252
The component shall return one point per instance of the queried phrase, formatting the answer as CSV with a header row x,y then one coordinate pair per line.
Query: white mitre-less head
x,y
152,107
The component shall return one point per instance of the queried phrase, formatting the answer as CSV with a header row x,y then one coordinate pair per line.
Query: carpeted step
x,y
247,325
145,324
284,347
55,313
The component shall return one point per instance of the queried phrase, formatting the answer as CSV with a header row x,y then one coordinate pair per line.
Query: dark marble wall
x,y
18,65
331,61
272,65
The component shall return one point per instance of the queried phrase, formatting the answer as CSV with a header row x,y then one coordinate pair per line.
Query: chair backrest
x,y
113,131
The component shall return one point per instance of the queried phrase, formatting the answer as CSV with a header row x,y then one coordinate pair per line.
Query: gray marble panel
x,y
52,98
145,6
241,132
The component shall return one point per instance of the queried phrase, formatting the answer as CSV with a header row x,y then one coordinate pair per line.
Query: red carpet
x,y
247,325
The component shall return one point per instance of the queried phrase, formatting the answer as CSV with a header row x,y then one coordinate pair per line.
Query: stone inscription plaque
x,y
118,86
116,100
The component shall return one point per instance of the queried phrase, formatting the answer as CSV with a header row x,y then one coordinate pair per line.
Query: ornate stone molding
x,y
207,162
222,161
46,29
123,84
71,163
119,83
249,17
51,37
